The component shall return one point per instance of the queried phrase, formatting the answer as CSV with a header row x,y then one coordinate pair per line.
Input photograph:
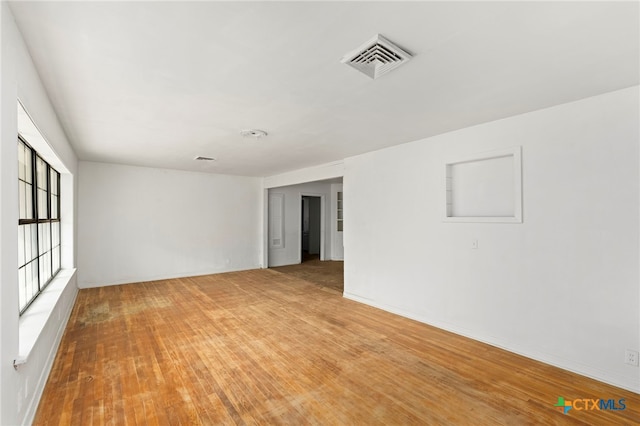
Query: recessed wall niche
x,y
485,187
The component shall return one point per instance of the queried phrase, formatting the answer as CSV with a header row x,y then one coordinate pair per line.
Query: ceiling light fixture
x,y
377,57
253,133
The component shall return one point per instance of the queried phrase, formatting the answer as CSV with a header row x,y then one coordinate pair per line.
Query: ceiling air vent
x,y
200,158
253,133
377,57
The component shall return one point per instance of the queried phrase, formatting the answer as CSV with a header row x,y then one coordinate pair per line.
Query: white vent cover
x,y
377,57
253,133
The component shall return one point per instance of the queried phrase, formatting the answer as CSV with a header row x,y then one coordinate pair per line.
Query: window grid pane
x,y
54,206
54,176
41,172
22,167
54,183
28,201
24,182
22,189
33,229
34,274
339,211
42,204
38,236
55,243
21,248
28,162
56,259
55,234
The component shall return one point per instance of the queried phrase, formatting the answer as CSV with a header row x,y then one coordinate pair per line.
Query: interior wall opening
x,y
311,227
304,225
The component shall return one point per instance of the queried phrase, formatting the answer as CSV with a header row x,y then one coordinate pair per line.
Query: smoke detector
x,y
253,133
377,57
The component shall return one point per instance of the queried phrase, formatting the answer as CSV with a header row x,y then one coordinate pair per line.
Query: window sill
x,y
34,320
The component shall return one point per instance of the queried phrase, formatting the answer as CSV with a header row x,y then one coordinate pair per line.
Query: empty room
x,y
319,212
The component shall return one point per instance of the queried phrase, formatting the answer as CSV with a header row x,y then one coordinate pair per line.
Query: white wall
x,y
311,174
290,253
562,287
20,390
140,224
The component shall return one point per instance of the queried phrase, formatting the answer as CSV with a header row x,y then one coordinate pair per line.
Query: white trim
x,y
151,278
333,218
265,228
546,358
35,318
32,134
52,307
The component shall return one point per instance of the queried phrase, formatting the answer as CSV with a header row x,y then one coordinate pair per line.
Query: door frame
x,y
322,223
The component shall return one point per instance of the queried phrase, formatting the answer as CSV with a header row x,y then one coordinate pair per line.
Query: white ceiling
x,y
159,83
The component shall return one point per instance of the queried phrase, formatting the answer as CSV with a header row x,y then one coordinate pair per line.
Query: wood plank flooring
x,y
325,273
261,347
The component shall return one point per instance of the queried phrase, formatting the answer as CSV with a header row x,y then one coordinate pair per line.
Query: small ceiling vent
x,y
253,133
200,158
377,57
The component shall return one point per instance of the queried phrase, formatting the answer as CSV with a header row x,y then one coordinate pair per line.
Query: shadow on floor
x,y
328,273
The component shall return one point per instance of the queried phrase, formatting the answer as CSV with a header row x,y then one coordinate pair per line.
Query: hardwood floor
x,y
327,273
261,347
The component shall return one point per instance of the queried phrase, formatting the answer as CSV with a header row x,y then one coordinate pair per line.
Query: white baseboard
x,y
148,278
569,365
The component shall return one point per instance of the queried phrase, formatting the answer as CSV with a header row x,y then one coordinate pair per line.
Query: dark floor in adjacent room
x,y
328,273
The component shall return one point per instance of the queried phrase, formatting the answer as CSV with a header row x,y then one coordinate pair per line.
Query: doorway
x,y
311,228
291,218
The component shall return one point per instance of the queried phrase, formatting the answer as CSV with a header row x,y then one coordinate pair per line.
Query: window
x,y
38,224
339,212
